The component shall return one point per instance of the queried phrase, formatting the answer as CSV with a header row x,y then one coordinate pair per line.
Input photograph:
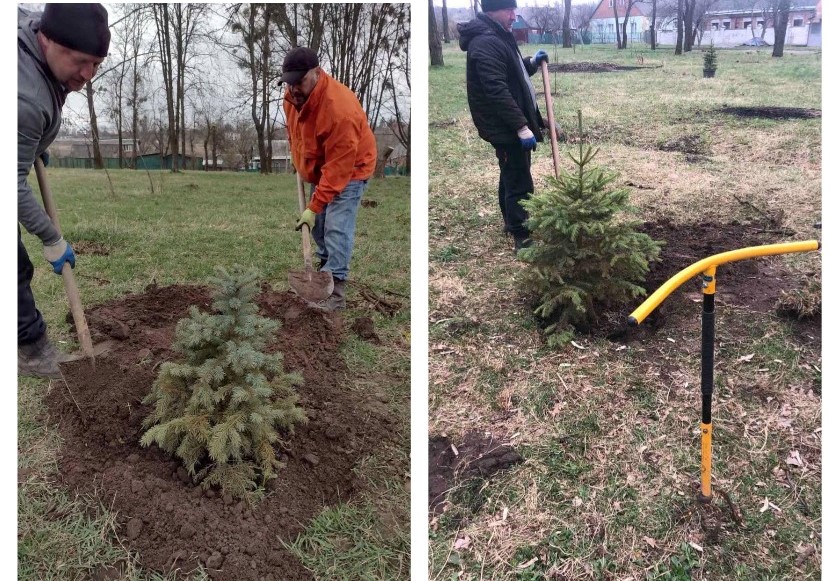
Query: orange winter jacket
x,y
331,141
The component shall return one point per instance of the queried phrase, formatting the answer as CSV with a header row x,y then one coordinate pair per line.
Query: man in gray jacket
x,y
58,51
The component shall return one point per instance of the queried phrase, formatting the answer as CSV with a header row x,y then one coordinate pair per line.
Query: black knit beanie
x,y
81,27
493,5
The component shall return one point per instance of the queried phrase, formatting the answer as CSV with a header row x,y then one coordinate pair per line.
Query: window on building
x,y
760,22
798,22
610,3
716,26
747,24
633,28
726,25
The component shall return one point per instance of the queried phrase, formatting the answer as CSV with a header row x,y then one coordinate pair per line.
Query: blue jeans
x,y
334,229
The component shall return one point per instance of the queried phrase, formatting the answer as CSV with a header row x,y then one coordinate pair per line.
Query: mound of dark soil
x,y
475,455
163,517
754,284
587,67
773,112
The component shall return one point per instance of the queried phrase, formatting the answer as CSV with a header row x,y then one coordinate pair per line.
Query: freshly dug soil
x,y
163,517
755,284
773,112
586,67
474,455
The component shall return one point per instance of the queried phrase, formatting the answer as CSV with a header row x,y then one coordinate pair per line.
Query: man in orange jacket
x,y
332,147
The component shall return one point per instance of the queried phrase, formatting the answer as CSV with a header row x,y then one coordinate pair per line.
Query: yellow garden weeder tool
x,y
707,266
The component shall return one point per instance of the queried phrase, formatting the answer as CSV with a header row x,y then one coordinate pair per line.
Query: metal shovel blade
x,y
311,285
98,349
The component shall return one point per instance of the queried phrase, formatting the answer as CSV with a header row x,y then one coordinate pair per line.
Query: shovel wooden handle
x,y
304,228
554,143
72,294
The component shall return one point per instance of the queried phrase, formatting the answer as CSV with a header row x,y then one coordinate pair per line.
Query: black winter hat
x,y
297,63
493,5
81,27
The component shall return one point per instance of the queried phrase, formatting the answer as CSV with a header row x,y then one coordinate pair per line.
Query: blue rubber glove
x,y
307,218
44,157
59,253
527,138
539,57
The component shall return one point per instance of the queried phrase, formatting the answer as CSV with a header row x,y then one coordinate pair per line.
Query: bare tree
x,y
126,48
617,23
253,22
581,17
98,160
629,7
547,18
436,53
359,45
161,15
300,24
701,9
689,25
398,73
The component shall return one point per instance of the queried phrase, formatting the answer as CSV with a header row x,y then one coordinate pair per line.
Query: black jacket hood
x,y
471,29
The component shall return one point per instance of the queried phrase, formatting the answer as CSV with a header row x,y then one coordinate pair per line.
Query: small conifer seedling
x,y
584,254
224,406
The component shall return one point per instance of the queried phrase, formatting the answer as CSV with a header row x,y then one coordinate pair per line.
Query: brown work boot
x,y
336,300
39,359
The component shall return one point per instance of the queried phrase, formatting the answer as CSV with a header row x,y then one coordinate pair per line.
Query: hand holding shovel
x,y
310,285
72,294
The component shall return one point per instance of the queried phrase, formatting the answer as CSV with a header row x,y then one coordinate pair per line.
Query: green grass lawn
x,y
610,432
132,229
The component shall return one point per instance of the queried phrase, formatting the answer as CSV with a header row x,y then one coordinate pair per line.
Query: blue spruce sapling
x,y
226,404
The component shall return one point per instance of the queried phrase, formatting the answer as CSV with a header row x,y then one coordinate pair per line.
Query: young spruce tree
x,y
583,254
222,409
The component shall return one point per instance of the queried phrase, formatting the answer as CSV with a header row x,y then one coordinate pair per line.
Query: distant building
x,y
603,25
280,157
732,22
522,30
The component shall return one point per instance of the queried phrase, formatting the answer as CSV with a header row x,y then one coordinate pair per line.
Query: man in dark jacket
x,y
58,51
503,105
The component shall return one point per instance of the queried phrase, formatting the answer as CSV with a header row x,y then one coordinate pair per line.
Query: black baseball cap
x,y
81,27
297,63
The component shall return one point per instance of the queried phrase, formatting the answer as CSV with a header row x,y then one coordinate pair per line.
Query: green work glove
x,y
307,218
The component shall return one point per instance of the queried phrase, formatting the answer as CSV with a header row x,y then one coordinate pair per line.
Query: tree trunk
x,y
205,146
617,25
98,161
653,25
688,25
162,15
446,21
566,26
780,20
213,145
678,48
436,53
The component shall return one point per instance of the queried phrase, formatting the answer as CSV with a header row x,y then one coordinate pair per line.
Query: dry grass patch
x,y
609,431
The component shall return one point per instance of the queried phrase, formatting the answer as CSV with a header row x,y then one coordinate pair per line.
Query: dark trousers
x,y
515,184
30,323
